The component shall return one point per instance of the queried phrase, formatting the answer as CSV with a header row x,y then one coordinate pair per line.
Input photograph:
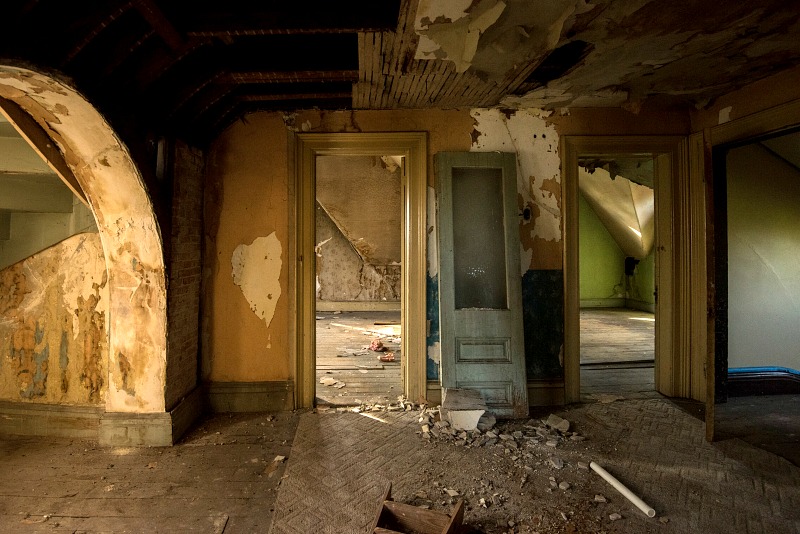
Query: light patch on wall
x,y
725,114
256,270
435,352
535,142
433,243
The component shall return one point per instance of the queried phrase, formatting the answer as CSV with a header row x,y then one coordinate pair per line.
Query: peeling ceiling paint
x,y
256,270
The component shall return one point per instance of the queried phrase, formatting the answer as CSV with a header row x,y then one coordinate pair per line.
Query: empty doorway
x,y
673,373
617,276
358,256
412,148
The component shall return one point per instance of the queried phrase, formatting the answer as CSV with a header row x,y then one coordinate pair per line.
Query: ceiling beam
x,y
291,76
161,24
296,96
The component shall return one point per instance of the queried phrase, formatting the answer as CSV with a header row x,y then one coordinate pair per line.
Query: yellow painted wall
x,y
249,196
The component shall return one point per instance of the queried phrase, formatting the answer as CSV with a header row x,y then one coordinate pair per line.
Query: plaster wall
x,y
33,232
763,260
601,260
53,325
249,195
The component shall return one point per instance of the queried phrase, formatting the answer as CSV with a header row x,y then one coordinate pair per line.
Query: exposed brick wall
x,y
183,291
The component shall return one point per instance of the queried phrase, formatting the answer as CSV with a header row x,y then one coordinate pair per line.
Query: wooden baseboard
x,y
752,381
328,306
270,396
187,412
603,303
30,419
120,429
546,393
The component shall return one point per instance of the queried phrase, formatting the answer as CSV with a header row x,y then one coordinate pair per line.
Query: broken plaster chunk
x,y
556,462
564,486
486,422
583,465
327,380
600,498
560,424
615,517
452,492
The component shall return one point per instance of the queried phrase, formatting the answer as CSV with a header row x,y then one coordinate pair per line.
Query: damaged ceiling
x,y
192,69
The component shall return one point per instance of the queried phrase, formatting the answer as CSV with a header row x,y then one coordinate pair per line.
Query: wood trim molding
x,y
673,280
269,396
358,305
414,147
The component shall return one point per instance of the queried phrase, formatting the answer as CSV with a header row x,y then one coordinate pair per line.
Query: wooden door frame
x,y
703,143
680,349
414,147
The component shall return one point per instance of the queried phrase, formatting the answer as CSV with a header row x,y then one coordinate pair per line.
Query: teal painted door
x,y
480,307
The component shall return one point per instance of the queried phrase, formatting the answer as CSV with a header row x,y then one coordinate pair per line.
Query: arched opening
x,y
89,150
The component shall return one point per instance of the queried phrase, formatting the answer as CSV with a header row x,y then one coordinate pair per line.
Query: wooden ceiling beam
x,y
296,96
161,24
312,76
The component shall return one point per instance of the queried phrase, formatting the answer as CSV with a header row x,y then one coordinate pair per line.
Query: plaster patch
x,y
535,142
256,270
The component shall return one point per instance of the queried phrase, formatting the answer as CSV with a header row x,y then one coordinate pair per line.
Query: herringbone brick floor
x,y
340,463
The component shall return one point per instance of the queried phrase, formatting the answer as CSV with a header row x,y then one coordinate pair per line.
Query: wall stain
x,y
125,374
63,362
94,342
30,364
13,288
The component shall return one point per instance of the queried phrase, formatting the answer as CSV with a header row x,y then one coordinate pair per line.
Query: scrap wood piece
x,y
386,357
395,517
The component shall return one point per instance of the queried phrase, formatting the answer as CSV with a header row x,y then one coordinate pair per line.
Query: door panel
x,y
479,283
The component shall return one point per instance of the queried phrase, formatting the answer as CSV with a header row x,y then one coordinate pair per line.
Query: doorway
x,y
358,279
617,276
673,372
411,149
757,369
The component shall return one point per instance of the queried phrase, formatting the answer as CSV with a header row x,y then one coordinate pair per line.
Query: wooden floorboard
x,y
343,354
617,354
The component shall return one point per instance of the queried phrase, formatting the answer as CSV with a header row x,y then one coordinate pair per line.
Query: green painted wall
x,y
643,283
602,262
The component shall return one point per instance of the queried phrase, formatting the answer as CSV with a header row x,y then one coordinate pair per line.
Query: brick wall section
x,y
183,291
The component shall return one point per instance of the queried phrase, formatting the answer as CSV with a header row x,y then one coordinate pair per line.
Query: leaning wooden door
x,y
480,305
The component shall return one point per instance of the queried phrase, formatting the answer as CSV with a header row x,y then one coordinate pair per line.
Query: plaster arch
x,y
128,228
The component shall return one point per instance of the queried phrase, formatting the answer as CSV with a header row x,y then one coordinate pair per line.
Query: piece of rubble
x,y
462,407
556,462
583,465
600,498
327,380
338,384
451,492
564,486
376,345
551,443
486,422
615,517
560,424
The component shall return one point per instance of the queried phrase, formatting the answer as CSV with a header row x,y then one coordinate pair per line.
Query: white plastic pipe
x,y
619,486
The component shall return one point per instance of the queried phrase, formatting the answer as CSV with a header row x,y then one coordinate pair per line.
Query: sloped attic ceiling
x,y
626,208
193,68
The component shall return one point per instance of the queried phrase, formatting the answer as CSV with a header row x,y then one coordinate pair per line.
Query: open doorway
x,y
676,276
617,276
757,366
412,147
358,255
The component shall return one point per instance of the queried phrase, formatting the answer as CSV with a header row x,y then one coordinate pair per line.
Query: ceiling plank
x,y
161,24
290,76
296,96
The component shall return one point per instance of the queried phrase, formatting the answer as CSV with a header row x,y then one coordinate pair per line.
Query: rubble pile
x,y
550,432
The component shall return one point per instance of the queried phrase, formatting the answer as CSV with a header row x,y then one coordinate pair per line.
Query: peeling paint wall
x,y
245,326
343,275
54,325
128,229
535,142
359,229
